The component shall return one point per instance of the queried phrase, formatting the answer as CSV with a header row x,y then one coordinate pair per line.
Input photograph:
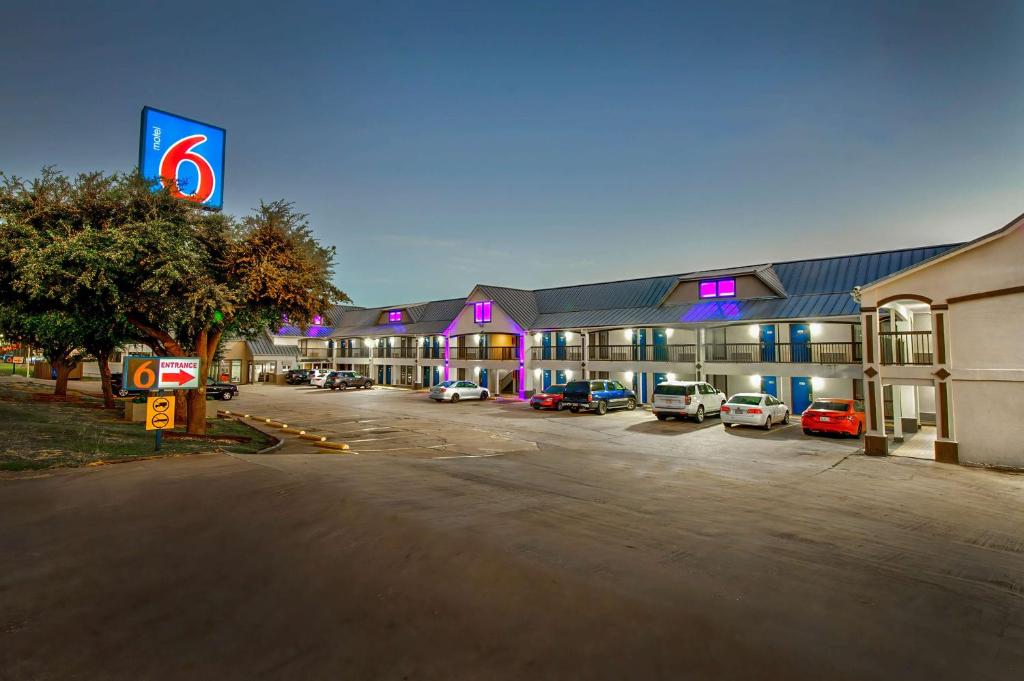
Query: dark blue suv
x,y
597,395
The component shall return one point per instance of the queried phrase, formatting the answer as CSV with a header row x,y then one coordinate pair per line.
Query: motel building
x,y
943,352
791,329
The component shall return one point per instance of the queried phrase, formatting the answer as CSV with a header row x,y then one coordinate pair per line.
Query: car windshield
x,y
578,387
829,405
745,399
555,389
663,389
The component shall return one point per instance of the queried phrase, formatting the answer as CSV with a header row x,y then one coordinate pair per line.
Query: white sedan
x,y
453,391
754,409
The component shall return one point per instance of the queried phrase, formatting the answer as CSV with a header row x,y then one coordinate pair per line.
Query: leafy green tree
x,y
57,335
181,277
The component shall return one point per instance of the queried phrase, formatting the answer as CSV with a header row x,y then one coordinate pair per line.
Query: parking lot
x,y
486,540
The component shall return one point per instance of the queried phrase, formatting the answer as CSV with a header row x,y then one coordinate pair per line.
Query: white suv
x,y
687,399
317,376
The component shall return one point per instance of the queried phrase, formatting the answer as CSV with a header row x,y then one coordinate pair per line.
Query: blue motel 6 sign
x,y
186,155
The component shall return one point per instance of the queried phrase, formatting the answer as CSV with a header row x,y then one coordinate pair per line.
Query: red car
x,y
834,415
550,398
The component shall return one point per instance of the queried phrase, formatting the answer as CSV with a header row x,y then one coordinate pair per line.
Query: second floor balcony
x,y
678,354
314,353
397,353
353,352
785,353
906,348
569,353
489,352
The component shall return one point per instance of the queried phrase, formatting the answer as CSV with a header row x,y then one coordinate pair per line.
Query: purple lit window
x,y
719,288
482,312
394,316
318,320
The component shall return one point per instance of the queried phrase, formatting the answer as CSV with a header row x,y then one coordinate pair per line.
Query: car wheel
x,y
558,406
662,417
767,422
602,408
785,418
536,406
860,430
226,396
574,410
699,418
455,397
483,395
122,393
367,385
630,404
807,431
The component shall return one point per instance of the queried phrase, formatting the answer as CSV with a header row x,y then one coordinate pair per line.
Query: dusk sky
x,y
531,144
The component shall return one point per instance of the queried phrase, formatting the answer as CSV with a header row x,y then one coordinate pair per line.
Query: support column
x,y
875,443
946,447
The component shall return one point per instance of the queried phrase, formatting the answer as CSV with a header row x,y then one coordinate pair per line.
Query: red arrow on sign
x,y
180,377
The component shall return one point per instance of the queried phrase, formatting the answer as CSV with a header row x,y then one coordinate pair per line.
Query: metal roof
x,y
519,304
818,287
262,346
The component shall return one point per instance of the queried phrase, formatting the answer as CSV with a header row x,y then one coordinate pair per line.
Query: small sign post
x,y
159,415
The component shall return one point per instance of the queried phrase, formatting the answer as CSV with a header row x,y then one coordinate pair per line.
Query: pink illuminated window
x,y
719,288
482,312
394,316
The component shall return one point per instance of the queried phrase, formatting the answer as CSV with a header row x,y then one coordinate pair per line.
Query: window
x,y
394,316
482,312
617,386
718,288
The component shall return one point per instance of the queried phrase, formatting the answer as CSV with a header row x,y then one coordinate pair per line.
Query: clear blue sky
x,y
441,144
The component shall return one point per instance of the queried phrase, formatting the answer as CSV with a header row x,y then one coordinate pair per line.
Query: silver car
x,y
754,409
453,391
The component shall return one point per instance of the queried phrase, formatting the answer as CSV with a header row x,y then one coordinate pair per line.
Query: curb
x,y
317,440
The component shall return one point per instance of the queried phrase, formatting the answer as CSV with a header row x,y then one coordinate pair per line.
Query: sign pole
x,y
159,432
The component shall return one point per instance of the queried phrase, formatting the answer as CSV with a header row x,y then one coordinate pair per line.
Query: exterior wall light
x,y
817,383
756,380
669,332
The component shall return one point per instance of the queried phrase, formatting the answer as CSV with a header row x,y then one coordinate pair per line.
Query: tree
x,y
180,276
56,334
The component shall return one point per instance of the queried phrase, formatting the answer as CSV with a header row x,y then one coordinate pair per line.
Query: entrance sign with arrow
x,y
161,373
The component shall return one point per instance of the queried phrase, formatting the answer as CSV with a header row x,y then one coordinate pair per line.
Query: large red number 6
x,y
181,152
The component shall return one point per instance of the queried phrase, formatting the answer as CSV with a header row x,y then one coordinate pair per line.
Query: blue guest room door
x,y
483,378
801,386
387,374
546,350
547,379
799,337
660,341
770,385
767,343
560,345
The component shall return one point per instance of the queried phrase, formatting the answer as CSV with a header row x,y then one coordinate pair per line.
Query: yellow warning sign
x,y
159,413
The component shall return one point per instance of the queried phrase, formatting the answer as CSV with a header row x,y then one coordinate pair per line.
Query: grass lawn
x,y
37,435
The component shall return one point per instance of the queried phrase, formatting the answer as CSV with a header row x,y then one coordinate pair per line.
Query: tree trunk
x,y
180,408
108,392
197,398
63,370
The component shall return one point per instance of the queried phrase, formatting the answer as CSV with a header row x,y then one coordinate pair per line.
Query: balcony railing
x,y
353,352
491,352
680,354
906,347
569,353
314,353
785,353
433,353
397,353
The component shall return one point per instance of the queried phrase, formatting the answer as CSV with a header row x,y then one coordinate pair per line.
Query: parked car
x,y
687,399
222,391
598,396
318,376
754,409
549,398
453,391
117,385
339,380
297,376
834,415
